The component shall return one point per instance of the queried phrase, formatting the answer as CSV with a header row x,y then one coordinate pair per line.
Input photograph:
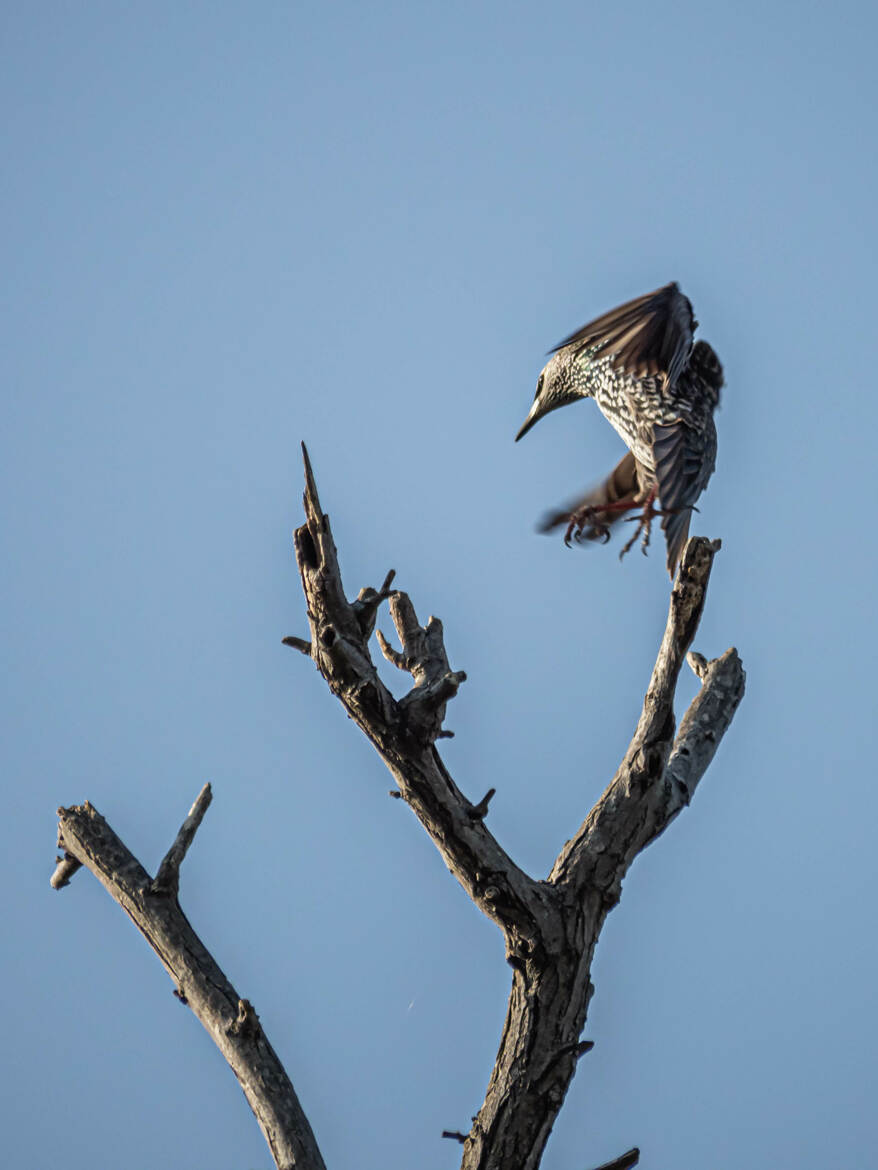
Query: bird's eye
x,y
539,387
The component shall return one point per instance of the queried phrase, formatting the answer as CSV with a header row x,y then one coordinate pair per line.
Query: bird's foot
x,y
582,519
644,524
644,527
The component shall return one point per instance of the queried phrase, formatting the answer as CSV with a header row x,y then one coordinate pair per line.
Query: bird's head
x,y
555,387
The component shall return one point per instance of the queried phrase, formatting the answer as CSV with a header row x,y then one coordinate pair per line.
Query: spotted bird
x,y
659,391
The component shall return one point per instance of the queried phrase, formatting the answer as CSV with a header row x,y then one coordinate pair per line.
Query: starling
x,y
659,391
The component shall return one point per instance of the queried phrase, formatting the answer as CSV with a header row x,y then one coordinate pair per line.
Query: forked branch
x,y
550,927
230,1021
646,793
404,731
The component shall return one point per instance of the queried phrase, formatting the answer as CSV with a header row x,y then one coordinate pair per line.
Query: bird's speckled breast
x,y
630,405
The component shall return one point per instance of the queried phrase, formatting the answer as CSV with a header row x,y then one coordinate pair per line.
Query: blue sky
x,y
230,228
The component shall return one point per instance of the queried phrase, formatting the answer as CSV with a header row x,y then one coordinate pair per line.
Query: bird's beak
x,y
535,413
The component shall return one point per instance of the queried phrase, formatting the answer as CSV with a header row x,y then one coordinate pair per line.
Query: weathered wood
x,y
404,732
230,1021
550,927
167,880
645,794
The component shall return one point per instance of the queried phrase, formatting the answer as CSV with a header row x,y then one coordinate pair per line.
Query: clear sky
x,y
231,227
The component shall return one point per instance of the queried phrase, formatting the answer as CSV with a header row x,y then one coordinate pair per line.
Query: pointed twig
x,y
167,880
455,1135
623,1162
479,811
311,499
368,601
392,655
300,644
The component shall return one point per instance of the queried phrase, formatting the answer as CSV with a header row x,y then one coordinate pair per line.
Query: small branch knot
x,y
246,1023
65,866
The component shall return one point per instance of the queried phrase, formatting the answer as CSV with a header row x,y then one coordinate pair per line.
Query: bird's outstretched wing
x,y
620,486
684,461
650,336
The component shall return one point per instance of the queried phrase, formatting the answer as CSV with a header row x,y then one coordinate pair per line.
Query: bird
x,y
659,390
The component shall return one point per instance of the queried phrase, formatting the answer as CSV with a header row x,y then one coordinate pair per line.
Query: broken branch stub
x,y
424,657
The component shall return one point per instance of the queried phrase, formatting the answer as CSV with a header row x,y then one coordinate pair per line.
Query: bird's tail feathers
x,y
676,529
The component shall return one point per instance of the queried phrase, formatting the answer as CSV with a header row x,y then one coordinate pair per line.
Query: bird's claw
x,y
643,529
582,519
644,524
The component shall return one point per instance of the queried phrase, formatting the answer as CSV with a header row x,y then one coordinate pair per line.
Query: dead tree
x,y
550,927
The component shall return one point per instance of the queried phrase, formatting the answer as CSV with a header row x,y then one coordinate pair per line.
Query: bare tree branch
x,y
230,1021
704,724
167,880
551,927
404,732
644,796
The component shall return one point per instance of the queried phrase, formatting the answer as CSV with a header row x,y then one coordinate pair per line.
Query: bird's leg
x,y
644,524
587,517
645,519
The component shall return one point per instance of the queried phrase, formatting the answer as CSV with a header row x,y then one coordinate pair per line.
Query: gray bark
x,y
231,1022
550,927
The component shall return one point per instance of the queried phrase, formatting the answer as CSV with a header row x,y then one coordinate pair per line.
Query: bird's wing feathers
x,y
621,484
683,465
650,336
